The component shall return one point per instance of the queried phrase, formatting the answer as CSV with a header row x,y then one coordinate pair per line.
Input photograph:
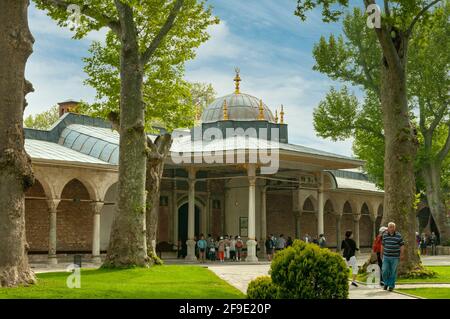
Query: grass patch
x,y
443,276
168,282
430,293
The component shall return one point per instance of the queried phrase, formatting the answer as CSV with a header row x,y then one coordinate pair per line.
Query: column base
x,y
251,251
190,251
52,260
96,260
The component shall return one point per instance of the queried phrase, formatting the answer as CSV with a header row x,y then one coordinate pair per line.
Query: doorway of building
x,y
183,227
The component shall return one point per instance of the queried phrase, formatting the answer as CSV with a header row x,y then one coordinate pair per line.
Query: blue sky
x,y
270,45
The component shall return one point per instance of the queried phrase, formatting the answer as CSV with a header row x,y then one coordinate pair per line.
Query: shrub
x,y
419,273
154,259
305,271
262,288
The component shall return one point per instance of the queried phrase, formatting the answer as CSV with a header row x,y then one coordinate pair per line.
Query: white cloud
x,y
221,43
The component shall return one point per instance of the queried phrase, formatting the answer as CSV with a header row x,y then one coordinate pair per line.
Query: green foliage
x,y
354,58
306,271
262,288
202,95
333,115
419,273
167,96
44,120
337,57
402,12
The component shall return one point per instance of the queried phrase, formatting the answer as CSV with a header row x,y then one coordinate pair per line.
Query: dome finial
x,y
237,79
225,110
261,111
276,116
282,115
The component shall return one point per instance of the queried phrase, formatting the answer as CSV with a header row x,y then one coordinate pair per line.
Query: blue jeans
x,y
390,265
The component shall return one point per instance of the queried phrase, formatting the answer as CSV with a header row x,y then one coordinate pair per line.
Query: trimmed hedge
x,y
305,271
262,288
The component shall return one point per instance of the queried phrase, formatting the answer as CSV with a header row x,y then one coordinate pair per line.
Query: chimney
x,y
68,106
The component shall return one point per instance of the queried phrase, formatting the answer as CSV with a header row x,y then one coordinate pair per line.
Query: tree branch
x,y
366,70
86,10
445,149
164,142
419,15
162,32
158,150
387,46
386,8
438,117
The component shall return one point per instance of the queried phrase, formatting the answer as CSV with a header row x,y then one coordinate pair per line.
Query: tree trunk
x,y
432,176
16,43
155,169
127,245
400,151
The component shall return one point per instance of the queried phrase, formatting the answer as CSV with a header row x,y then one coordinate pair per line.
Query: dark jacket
x,y
349,247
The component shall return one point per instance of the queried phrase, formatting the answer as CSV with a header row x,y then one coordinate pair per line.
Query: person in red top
x,y
376,248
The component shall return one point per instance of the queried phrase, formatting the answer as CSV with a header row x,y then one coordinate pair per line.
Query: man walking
x,y
349,247
392,250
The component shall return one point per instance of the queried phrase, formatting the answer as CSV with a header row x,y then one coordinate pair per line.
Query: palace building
x,y
234,173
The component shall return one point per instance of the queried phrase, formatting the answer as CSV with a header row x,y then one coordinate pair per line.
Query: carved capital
x,y
97,207
53,205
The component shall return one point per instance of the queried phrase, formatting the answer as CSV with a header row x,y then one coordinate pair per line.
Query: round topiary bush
x,y
262,288
305,271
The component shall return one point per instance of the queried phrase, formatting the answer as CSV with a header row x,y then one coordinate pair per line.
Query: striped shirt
x,y
391,244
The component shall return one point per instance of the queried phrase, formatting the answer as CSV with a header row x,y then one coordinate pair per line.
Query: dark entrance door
x,y
183,226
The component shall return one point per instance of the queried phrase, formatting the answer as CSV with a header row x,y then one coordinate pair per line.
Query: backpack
x,y
239,243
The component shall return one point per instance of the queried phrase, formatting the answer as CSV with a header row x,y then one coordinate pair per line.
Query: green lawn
x,y
443,276
430,293
192,282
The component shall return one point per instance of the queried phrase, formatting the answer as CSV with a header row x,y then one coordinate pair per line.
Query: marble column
x,y
320,226
52,208
263,221
227,206
175,213
97,208
338,232
251,243
356,219
191,217
206,228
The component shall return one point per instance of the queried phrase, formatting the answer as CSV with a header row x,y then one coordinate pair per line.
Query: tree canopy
x,y
43,120
353,59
